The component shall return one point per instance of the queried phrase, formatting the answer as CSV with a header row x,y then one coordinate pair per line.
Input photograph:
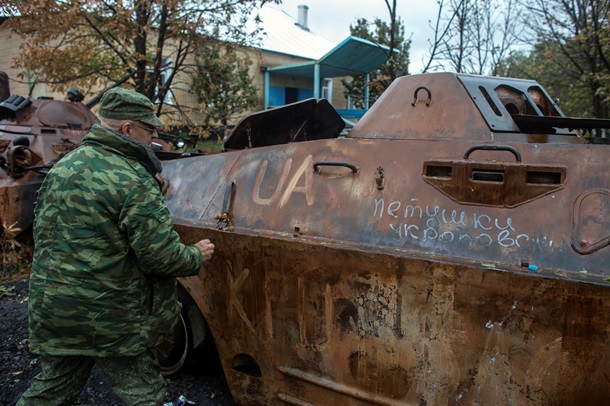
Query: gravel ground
x,y
202,382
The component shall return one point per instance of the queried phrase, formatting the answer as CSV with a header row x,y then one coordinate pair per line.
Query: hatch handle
x,y
317,165
417,91
494,148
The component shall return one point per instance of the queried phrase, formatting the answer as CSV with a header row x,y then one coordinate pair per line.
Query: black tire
x,y
175,349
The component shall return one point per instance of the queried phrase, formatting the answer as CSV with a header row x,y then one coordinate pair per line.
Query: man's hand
x,y
206,248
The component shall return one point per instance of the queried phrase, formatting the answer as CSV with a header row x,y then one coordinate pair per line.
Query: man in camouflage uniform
x,y
102,285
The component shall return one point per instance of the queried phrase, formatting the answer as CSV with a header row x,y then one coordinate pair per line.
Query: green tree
x,y
148,44
397,64
572,40
222,83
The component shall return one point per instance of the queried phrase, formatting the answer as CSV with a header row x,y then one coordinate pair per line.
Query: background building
x,y
291,63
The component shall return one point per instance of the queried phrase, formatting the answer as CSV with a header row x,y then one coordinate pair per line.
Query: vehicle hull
x,y
333,287
331,323
438,254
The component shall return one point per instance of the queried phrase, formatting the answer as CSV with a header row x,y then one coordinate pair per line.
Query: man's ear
x,y
125,129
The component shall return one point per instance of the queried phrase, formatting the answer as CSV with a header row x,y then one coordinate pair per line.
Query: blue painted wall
x,y
277,95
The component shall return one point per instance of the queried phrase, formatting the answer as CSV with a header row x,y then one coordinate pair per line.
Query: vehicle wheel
x,y
173,351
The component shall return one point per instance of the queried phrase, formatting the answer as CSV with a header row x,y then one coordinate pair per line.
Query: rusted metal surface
x,y
33,135
436,255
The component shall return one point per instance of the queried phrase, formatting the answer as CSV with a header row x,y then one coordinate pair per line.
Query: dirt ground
x,y
202,382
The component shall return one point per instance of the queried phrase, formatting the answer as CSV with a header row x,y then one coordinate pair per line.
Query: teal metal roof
x,y
353,56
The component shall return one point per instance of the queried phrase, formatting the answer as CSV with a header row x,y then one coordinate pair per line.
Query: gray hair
x,y
112,123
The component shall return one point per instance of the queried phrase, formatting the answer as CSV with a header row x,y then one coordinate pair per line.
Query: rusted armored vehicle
x,y
34,134
451,249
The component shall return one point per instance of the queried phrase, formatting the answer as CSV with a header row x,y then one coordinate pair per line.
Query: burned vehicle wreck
x,y
451,249
34,134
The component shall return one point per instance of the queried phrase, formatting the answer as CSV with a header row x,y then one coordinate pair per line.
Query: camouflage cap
x,y
123,104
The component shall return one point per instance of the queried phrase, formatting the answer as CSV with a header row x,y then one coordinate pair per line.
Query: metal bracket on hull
x,y
590,218
493,183
225,219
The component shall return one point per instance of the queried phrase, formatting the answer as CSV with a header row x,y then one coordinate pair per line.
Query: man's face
x,y
139,131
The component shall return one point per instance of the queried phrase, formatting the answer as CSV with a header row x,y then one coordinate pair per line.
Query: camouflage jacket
x,y
106,255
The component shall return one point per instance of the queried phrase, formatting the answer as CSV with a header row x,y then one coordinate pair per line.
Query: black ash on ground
x,y
202,382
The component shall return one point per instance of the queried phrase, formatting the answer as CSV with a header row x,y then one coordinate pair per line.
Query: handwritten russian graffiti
x,y
293,186
412,221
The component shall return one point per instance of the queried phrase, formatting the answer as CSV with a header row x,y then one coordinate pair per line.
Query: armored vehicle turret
x,y
34,134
